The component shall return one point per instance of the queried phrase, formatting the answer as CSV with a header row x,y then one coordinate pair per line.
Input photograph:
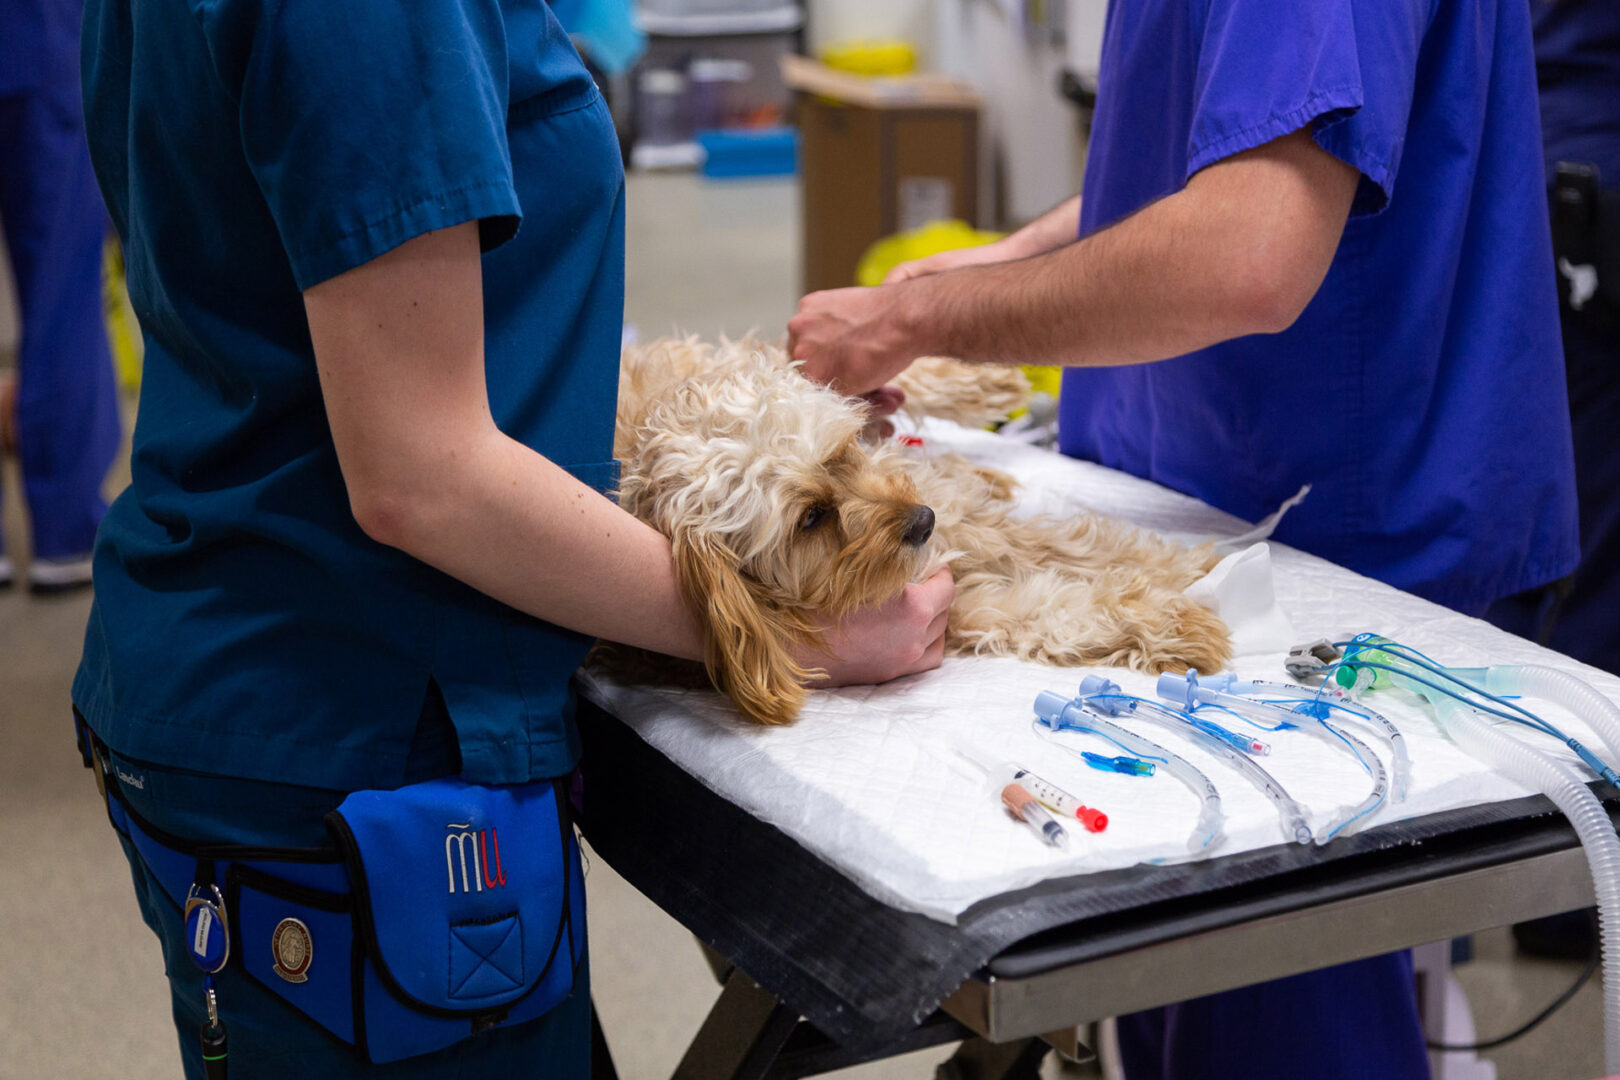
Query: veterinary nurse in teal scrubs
x,y
377,252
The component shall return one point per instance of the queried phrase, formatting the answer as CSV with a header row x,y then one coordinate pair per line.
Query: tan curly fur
x,y
778,510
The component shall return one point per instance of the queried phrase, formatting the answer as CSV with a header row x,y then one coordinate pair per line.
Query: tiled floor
x,y
81,986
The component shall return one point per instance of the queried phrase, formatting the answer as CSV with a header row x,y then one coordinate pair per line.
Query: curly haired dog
x,y
778,512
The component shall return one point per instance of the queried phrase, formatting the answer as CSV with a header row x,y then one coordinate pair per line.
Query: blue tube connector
x,y
1105,696
1129,766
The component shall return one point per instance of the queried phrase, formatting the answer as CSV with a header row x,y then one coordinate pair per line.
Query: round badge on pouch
x,y
293,950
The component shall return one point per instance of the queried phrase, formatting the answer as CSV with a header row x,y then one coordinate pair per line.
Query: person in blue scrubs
x,y
1578,74
1312,247
377,255
65,409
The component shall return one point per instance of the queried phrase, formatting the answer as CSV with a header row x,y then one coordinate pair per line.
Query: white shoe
x,y
59,575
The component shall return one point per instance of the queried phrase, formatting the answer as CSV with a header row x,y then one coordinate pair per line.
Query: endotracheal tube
x,y
1099,695
1307,702
1198,695
1057,713
1370,661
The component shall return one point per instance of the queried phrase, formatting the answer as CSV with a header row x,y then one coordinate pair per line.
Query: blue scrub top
x,y
1421,393
248,149
38,44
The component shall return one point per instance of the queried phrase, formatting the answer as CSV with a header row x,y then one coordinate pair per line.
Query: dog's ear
x,y
747,640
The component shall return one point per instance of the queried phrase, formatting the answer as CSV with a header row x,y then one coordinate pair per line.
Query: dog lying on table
x,y
778,511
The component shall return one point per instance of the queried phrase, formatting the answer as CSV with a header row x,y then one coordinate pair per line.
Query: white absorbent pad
x,y
870,779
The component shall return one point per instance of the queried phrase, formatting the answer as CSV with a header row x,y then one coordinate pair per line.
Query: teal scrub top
x,y
243,623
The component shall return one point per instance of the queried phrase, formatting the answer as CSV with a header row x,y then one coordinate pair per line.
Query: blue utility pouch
x,y
464,911
440,910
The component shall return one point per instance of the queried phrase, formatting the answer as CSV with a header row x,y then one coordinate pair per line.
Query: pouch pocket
x,y
465,911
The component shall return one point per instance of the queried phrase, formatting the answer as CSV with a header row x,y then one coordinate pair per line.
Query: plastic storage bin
x,y
663,108
714,86
729,155
659,11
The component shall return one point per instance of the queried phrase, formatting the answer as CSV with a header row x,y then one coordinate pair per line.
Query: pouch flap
x,y
461,890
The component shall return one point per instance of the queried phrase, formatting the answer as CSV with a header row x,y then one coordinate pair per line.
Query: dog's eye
x,y
812,517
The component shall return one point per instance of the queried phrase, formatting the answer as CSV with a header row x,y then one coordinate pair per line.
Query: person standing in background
x,y
1578,80
1578,83
61,415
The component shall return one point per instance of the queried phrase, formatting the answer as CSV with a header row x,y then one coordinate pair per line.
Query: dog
x,y
781,514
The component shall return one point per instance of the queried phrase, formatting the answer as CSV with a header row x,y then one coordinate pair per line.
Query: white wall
x,y
1030,133
840,20
1085,34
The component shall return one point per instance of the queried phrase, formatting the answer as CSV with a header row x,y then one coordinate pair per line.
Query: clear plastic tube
x,y
1188,688
1095,691
1568,791
1362,811
1057,713
1536,680
1331,697
1371,661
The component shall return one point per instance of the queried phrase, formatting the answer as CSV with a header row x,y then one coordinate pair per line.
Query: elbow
x,y
408,495
1272,297
385,514
1274,309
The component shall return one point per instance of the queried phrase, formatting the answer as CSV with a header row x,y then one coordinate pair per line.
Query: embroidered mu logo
x,y
479,854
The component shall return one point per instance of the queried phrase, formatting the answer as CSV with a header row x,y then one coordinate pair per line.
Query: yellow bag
x,y
888,57
931,239
123,335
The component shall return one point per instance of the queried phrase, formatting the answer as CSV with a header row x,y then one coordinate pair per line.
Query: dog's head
x,y
777,512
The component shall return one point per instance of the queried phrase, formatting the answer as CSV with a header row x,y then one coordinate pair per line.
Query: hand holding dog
x,y
876,644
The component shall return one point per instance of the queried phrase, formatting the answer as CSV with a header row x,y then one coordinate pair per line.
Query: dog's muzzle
x,y
919,526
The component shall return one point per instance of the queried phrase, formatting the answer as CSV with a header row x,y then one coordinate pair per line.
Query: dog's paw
x,y
968,394
1195,638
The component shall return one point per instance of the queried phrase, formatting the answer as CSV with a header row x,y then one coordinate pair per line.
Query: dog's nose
x,y
919,526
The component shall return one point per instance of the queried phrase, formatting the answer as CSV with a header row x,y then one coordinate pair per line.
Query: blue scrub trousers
x,y
268,1038
55,224
1357,1021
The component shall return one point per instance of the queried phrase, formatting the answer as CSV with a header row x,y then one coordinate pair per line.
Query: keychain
x,y
209,941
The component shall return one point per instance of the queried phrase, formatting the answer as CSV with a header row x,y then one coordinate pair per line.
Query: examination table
x,y
861,897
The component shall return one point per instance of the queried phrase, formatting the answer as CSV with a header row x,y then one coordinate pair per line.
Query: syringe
x,y
1051,796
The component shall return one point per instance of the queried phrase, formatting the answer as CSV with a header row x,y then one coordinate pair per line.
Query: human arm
x,y
1054,229
1240,250
399,349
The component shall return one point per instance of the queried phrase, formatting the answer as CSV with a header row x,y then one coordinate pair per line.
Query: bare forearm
x,y
1240,250
1156,285
1056,228
399,347
516,526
